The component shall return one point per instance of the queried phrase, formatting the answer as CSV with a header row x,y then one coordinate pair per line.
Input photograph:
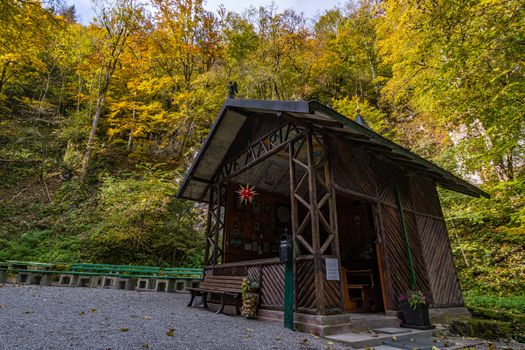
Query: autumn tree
x,y
115,23
458,67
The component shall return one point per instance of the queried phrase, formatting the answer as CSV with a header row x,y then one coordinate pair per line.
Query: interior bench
x,y
229,288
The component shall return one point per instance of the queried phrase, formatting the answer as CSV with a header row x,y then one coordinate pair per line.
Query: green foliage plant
x,y
414,299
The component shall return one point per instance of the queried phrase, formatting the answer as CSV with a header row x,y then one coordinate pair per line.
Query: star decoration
x,y
246,193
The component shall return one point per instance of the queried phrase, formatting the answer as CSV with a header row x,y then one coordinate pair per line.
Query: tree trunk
x,y
91,140
130,138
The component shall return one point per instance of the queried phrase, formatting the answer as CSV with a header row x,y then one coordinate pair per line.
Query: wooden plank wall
x,y
268,272
305,288
436,247
362,172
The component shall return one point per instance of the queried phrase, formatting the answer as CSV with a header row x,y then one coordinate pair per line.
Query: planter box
x,y
415,318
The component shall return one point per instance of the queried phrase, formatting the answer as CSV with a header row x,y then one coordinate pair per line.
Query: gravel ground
x,y
35,317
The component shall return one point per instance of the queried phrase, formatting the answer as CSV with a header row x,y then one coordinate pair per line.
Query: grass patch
x,y
493,317
514,304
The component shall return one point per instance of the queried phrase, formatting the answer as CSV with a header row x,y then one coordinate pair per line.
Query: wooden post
x,y
208,228
329,181
294,213
314,223
217,224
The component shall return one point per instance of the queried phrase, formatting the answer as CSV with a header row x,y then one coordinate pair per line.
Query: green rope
x,y
412,276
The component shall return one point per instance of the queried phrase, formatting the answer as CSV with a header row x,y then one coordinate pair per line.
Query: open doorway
x,y
362,290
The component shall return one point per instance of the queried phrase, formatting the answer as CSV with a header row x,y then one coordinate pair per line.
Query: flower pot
x,y
415,318
249,305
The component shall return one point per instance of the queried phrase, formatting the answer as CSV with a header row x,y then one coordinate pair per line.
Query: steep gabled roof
x,y
235,112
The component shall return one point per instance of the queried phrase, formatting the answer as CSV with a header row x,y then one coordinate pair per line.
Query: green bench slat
x,y
124,271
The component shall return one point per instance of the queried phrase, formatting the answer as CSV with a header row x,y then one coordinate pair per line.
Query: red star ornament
x,y
246,194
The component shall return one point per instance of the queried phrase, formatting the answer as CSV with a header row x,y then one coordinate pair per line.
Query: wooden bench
x,y
229,288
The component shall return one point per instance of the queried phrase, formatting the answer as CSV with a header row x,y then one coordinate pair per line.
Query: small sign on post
x,y
332,269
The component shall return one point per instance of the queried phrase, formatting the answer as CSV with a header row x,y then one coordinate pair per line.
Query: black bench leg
x,y
223,303
238,302
204,300
193,294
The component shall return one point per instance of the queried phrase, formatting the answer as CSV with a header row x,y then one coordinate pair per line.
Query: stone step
x,y
332,324
370,339
323,330
458,344
420,344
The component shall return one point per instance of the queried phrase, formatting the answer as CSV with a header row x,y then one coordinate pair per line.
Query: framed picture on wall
x,y
256,225
256,208
239,206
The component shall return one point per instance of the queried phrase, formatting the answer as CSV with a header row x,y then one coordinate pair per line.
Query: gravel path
x,y
35,317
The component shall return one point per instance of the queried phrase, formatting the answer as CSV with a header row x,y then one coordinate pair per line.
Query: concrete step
x,y
369,339
332,324
420,344
458,344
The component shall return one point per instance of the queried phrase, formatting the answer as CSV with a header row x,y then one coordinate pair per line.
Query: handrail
x,y
269,261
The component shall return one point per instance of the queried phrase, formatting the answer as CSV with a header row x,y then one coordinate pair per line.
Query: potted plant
x,y
250,298
415,310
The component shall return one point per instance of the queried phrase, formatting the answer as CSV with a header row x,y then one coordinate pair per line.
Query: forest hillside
x,y
98,123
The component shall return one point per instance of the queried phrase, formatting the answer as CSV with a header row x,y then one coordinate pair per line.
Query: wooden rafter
x,y
260,150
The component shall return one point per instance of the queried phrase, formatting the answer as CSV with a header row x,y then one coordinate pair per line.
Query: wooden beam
x,y
208,230
332,205
372,199
307,122
260,158
314,220
199,179
294,214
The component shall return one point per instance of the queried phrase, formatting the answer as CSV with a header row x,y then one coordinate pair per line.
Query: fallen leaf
x,y
249,330
148,317
170,332
29,312
304,341
93,310
82,313
124,329
146,346
330,342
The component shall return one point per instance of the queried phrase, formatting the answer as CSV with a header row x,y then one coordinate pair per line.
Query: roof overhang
x,y
235,112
